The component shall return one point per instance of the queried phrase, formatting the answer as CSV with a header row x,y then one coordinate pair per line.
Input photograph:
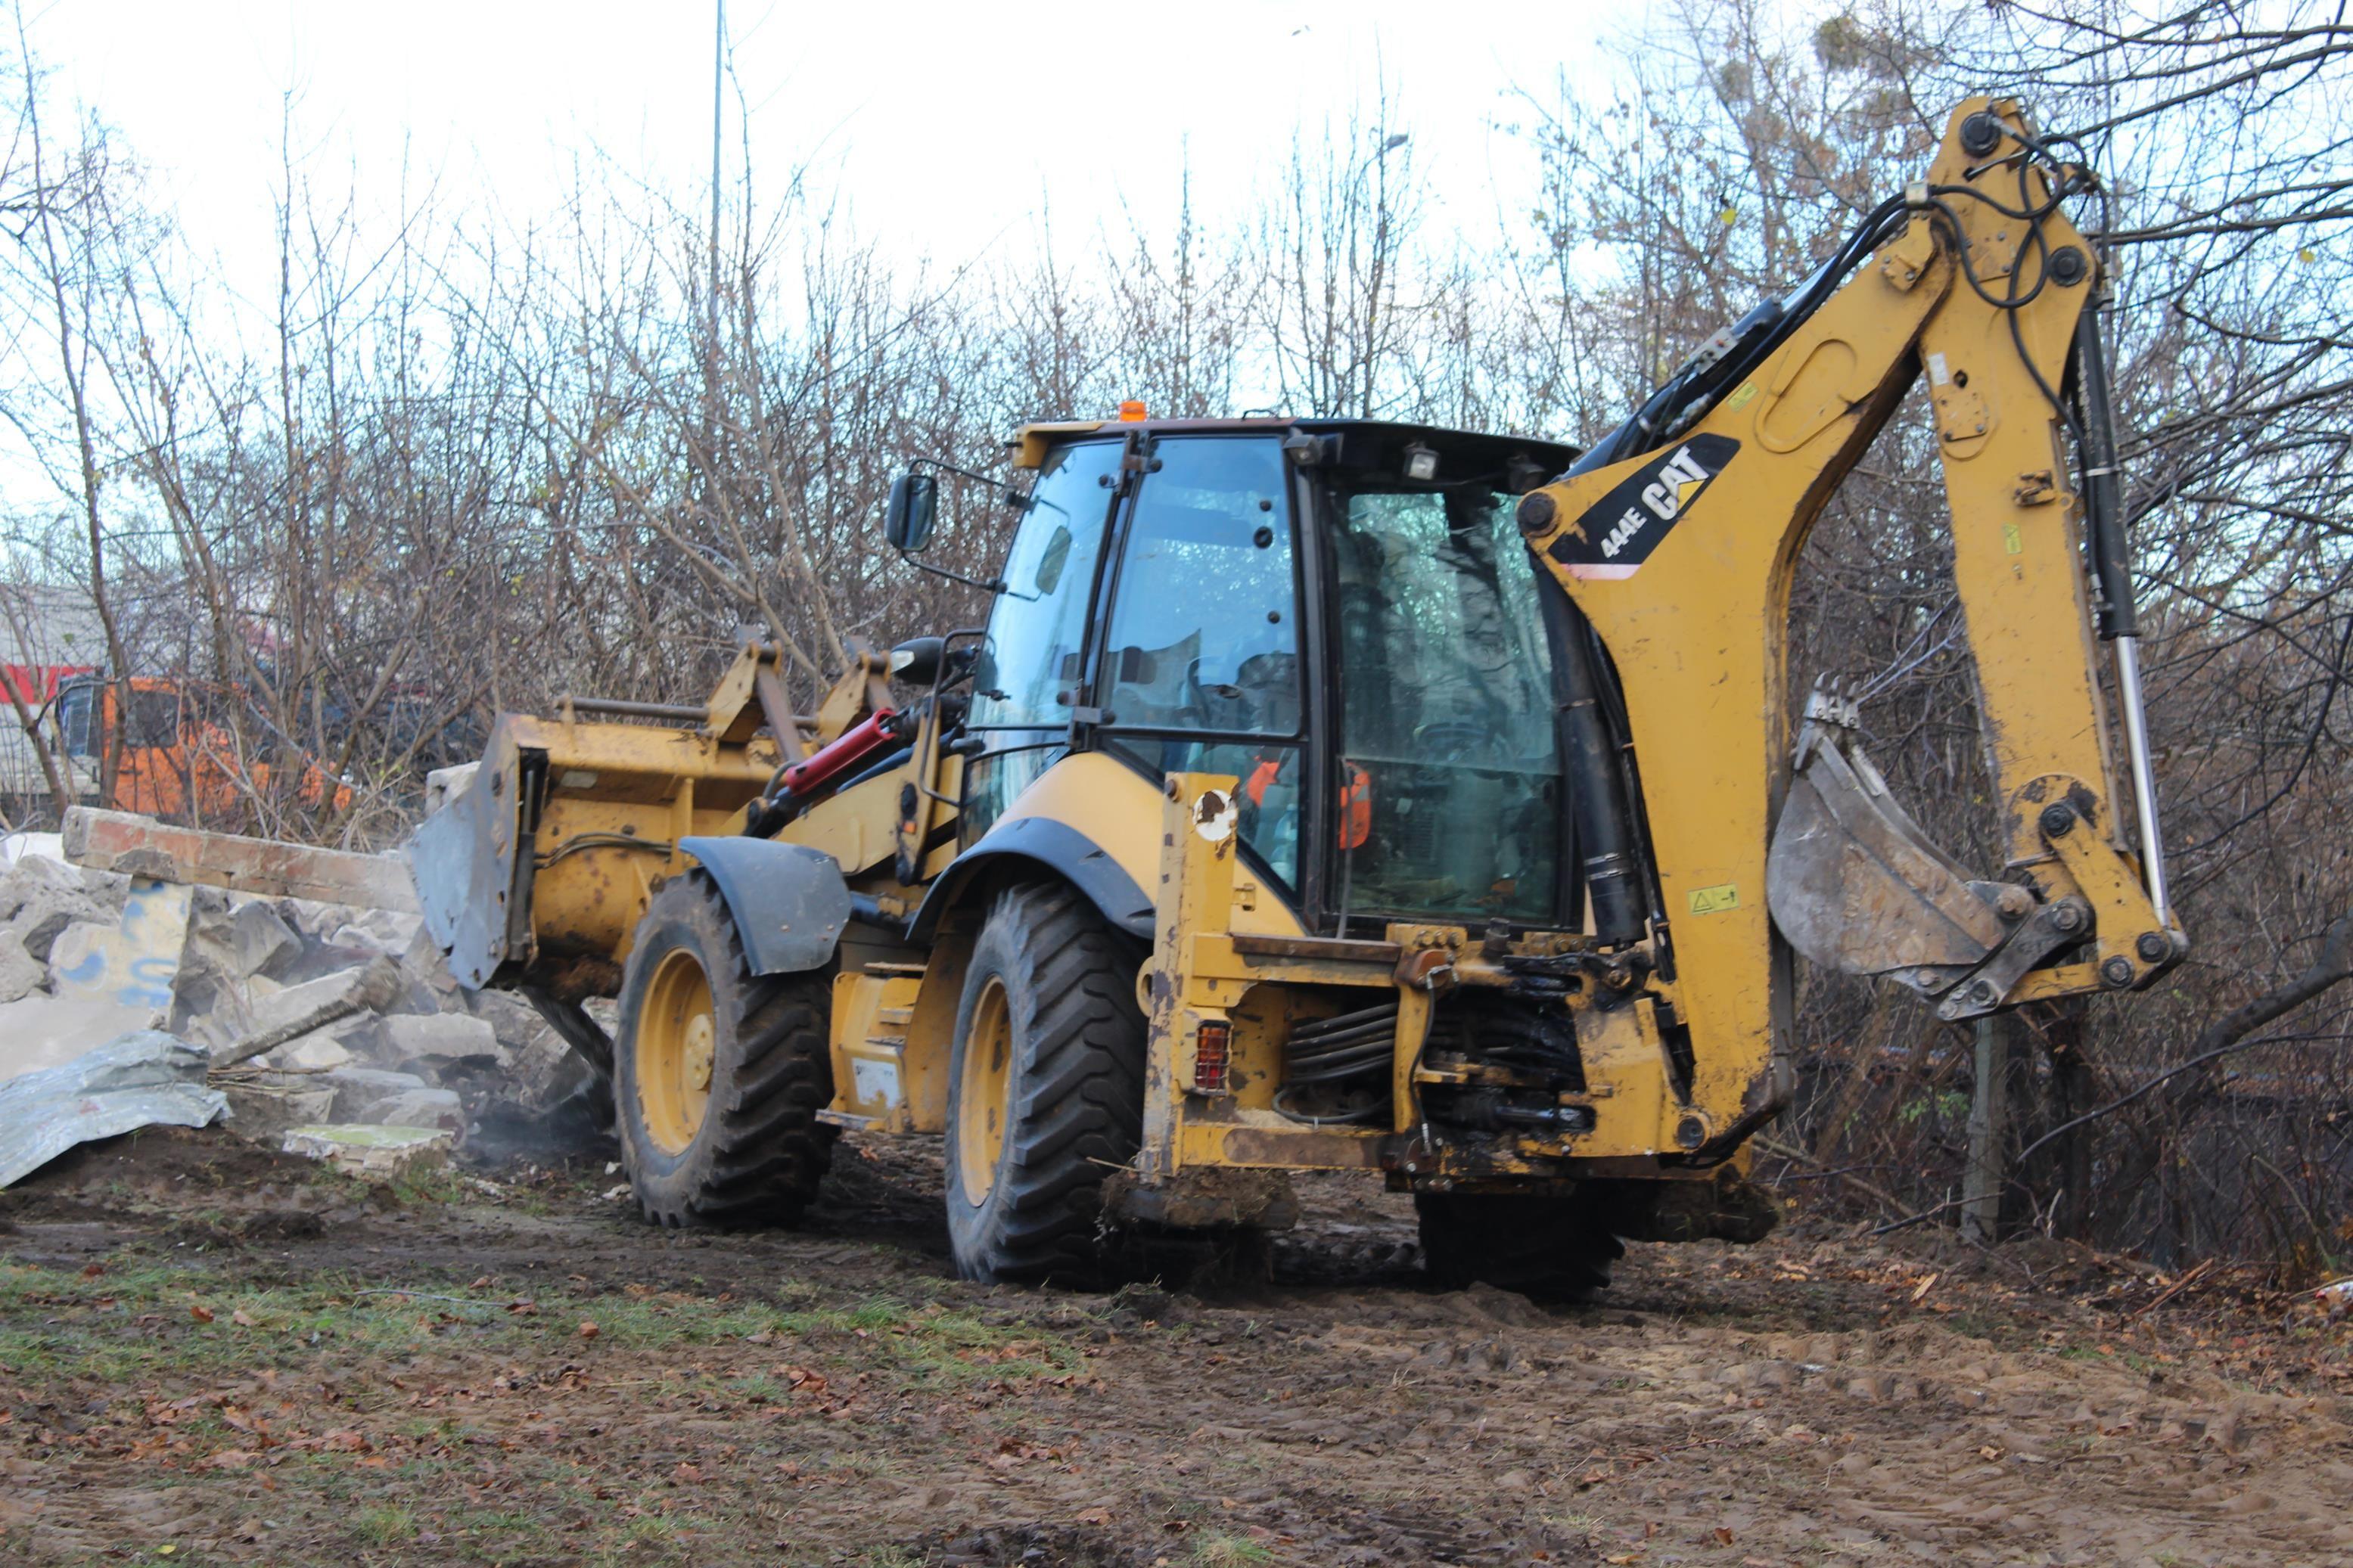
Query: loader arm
x,y
1680,555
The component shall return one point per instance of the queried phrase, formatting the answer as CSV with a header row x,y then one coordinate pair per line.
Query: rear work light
x,y
1212,1057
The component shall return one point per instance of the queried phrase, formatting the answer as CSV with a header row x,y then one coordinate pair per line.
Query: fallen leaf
x,y
1723,1536
93,1270
588,1330
202,1314
240,1320
1923,1289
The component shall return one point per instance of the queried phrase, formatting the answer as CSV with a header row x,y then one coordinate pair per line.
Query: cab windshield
x,y
1451,772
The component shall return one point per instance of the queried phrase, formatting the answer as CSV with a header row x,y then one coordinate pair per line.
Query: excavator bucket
x,y
1855,884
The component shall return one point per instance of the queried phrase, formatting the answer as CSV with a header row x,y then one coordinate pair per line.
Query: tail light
x,y
1212,1057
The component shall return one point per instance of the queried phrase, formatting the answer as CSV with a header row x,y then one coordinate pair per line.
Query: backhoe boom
x,y
1680,556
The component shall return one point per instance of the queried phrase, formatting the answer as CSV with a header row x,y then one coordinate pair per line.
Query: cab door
x,y
1201,666
1029,686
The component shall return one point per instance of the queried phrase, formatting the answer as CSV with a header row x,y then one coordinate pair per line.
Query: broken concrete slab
x,y
38,911
394,929
102,838
133,961
518,1024
373,1096
424,960
264,1111
362,988
264,944
210,1006
74,949
442,1038
297,1010
317,1051
378,1153
359,939
425,1107
44,870
20,973
362,1092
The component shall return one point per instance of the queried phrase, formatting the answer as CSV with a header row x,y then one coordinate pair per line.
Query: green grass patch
x,y
134,1321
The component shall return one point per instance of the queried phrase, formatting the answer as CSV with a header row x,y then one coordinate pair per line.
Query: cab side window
x,y
1037,633
1204,634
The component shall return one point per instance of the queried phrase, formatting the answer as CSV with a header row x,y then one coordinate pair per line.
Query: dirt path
x,y
235,1358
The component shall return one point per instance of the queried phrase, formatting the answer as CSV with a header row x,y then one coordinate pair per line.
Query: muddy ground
x,y
208,1353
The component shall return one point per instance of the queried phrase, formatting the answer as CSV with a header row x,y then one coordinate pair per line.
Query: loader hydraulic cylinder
x,y
853,746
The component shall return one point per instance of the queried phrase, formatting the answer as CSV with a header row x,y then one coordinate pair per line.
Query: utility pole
x,y
718,83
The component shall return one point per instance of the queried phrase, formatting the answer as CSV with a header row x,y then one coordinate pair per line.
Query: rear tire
x,y
1548,1247
719,1074
1046,1083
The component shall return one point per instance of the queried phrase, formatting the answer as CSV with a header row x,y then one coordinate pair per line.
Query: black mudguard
x,y
1045,845
789,901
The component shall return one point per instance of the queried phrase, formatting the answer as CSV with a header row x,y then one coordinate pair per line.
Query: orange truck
x,y
177,763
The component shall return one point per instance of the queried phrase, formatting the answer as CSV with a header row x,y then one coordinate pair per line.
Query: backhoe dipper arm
x,y
1679,549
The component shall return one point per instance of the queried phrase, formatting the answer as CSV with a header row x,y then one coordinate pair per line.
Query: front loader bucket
x,y
1852,882
464,858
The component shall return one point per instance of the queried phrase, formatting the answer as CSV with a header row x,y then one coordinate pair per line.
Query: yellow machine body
x,y
1696,632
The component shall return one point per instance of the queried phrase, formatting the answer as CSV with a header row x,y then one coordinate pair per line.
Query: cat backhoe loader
x,y
1331,794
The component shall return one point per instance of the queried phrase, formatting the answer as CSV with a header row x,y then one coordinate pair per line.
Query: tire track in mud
x,y
1801,1402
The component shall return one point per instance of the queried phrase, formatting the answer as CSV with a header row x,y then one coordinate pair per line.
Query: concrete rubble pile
x,y
314,1015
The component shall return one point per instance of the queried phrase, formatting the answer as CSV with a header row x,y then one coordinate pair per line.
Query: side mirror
x,y
915,507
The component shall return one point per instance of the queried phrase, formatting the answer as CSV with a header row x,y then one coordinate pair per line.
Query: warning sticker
x,y
1716,900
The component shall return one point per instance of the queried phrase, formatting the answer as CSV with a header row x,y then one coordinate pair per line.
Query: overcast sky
x,y
945,127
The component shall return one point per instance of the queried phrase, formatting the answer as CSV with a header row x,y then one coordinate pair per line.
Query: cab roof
x,y
1365,444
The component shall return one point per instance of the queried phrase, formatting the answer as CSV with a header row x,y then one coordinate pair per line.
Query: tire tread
x,y
768,1152
1079,1106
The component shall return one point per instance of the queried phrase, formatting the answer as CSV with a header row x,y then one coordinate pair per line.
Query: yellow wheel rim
x,y
677,1037
984,1091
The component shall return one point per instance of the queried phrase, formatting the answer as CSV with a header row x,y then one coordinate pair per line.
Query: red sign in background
x,y
36,684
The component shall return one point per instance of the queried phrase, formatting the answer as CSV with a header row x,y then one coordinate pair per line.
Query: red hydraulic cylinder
x,y
845,750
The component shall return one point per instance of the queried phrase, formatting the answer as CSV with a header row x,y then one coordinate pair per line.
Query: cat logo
x,y
1680,480
1615,537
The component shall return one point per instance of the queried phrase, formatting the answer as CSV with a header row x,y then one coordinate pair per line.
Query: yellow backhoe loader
x,y
1333,795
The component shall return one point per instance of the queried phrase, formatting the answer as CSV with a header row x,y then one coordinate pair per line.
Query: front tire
x,y
1046,1078
719,1074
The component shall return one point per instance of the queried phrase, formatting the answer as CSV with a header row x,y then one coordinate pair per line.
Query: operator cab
x,y
1339,614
